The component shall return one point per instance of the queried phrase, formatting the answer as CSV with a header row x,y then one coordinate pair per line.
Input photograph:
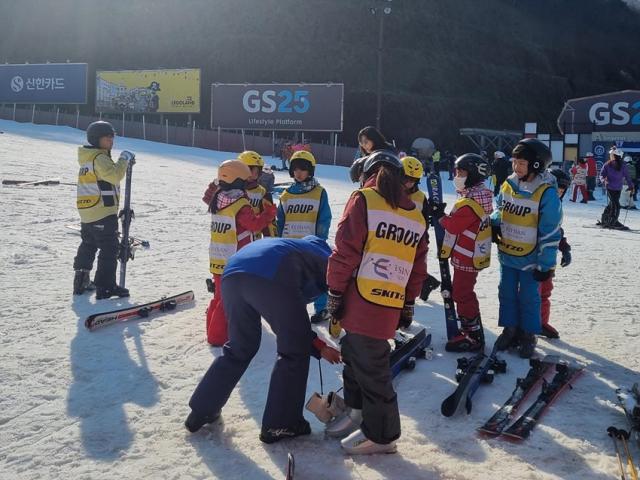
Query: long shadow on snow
x,y
105,377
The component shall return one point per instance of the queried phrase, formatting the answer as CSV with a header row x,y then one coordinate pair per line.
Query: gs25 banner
x,y
287,106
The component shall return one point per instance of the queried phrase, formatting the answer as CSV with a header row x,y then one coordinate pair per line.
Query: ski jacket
x,y
232,228
468,229
267,180
529,215
98,190
361,316
298,264
592,167
579,174
259,198
613,178
303,213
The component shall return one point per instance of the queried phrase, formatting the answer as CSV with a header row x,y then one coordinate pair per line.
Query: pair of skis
x,y
629,400
470,374
522,427
434,188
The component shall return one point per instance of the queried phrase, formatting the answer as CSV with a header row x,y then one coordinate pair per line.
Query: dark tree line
x,y
447,64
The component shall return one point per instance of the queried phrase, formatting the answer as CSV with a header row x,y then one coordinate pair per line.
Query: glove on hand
x,y
129,157
209,193
406,315
334,304
436,209
496,234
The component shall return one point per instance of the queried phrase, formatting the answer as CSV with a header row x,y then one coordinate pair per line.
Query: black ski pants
x,y
246,298
612,210
367,386
101,235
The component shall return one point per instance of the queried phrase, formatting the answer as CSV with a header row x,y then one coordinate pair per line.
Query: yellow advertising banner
x,y
148,91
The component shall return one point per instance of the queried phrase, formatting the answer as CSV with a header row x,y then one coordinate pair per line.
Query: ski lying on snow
x,y
565,374
408,350
611,229
629,400
503,417
291,466
165,304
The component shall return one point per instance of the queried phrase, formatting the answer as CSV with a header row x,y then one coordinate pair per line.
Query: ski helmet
x,y
412,168
627,159
233,174
356,169
476,166
303,160
499,154
380,157
251,159
97,130
618,152
536,153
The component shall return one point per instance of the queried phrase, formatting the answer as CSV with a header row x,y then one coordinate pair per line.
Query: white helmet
x,y
499,154
618,152
627,159
588,154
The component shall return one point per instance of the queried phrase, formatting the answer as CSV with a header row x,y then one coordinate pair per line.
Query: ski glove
x,y
406,315
565,249
541,276
208,194
129,157
437,209
334,304
496,233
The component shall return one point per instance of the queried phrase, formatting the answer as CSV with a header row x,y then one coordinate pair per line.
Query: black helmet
x,y
563,180
97,130
356,169
380,157
535,152
476,166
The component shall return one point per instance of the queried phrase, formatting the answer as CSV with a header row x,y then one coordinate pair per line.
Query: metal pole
x,y
379,87
144,129
33,113
77,116
335,147
57,114
193,133
123,124
14,112
244,146
100,116
273,143
218,138
167,128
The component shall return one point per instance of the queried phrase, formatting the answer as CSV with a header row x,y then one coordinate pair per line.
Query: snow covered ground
x,y
110,404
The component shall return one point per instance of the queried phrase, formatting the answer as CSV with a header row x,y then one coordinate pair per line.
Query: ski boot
x,y
507,339
527,344
549,332
82,282
321,316
429,285
470,338
108,292
344,424
195,422
358,444
272,435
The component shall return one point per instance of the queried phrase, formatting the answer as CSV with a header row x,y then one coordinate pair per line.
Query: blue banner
x,y
50,83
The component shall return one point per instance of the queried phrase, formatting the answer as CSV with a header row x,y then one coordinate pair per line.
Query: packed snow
x,y
111,403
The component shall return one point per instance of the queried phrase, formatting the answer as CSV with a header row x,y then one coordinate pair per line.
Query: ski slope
x,y
111,404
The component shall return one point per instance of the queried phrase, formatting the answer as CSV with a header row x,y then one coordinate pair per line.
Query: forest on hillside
x,y
447,64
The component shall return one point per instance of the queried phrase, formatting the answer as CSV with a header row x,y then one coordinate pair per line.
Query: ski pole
x,y
623,435
612,433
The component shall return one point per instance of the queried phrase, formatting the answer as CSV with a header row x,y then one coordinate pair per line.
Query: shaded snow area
x,y
111,403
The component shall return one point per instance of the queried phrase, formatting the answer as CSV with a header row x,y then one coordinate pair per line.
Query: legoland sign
x,y
284,106
49,83
611,112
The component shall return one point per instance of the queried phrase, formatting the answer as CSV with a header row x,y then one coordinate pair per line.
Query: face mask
x,y
459,183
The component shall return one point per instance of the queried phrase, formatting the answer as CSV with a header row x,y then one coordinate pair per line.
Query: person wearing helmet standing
x,y
627,196
233,225
413,171
592,173
98,197
527,230
382,238
612,174
304,210
546,287
258,195
467,242
500,169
